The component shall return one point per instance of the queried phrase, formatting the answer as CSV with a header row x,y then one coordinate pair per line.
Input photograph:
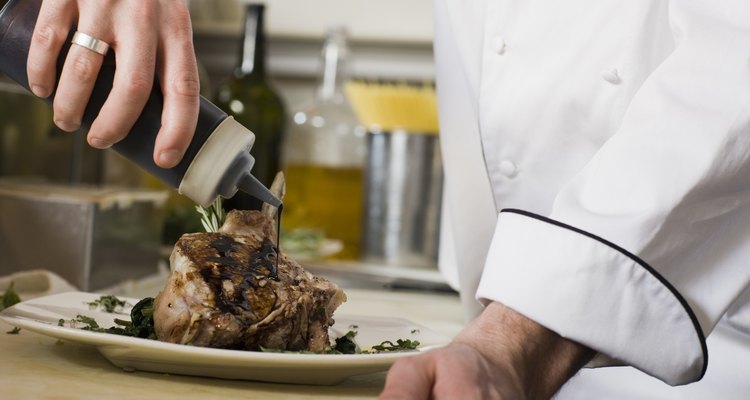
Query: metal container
x,y
403,194
92,237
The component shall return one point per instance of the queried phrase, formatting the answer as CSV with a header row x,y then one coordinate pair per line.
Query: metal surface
x,y
91,237
377,276
403,193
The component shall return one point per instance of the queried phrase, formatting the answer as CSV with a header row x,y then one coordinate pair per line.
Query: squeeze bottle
x,y
218,160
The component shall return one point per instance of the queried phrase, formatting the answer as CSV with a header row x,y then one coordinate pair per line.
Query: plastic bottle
x,y
250,98
217,162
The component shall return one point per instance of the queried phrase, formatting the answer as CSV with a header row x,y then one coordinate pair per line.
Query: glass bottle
x,y
254,103
324,155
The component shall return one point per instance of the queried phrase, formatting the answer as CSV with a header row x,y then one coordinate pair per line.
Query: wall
x,y
380,21
390,39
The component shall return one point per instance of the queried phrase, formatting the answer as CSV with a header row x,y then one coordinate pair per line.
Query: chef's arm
x,y
646,247
501,354
542,359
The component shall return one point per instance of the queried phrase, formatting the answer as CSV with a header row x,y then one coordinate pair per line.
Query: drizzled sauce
x,y
243,267
278,236
242,272
226,245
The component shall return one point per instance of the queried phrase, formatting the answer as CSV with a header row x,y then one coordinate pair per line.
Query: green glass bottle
x,y
254,103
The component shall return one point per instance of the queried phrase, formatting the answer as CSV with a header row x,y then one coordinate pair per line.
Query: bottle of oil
x,y
324,155
250,98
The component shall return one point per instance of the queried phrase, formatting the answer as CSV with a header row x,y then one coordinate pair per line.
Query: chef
x,y
597,160
598,185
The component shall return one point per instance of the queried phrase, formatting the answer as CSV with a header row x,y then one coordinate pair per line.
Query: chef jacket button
x,y
611,75
508,168
499,45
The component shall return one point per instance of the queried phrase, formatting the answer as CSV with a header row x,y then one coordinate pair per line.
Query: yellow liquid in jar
x,y
326,198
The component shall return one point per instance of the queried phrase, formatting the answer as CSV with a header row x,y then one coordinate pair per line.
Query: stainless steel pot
x,y
403,193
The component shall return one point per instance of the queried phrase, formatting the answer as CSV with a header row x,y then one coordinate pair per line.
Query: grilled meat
x,y
234,289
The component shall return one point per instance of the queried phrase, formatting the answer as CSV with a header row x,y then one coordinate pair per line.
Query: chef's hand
x,y
149,38
500,355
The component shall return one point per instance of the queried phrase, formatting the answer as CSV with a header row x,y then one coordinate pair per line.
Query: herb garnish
x,y
89,323
141,322
212,217
14,331
345,344
401,345
9,298
142,319
109,303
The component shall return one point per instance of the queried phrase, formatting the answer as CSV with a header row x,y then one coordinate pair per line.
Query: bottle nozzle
x,y
252,186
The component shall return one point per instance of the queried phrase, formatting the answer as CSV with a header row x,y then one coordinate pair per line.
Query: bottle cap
x,y
222,166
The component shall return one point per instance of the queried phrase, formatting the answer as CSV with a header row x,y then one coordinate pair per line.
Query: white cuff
x,y
595,293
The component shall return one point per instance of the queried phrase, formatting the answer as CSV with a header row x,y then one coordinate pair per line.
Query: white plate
x,y
42,314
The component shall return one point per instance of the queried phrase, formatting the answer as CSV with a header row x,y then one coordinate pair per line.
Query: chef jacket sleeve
x,y
647,247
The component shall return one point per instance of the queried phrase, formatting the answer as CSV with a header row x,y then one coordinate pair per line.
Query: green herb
x,y
212,217
413,331
319,312
9,298
401,345
61,322
109,303
141,322
14,331
142,319
345,344
90,324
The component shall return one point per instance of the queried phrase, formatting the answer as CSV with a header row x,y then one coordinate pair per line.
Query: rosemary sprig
x,y
212,217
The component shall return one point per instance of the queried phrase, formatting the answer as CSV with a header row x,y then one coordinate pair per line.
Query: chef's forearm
x,y
542,359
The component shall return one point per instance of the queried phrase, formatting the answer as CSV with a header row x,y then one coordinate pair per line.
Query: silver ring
x,y
90,42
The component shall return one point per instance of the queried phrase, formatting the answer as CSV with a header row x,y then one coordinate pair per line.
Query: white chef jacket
x,y
597,164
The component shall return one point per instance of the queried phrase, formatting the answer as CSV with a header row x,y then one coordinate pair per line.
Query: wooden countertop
x,y
33,366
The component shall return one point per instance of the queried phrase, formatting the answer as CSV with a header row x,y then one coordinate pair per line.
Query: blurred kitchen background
x,y
356,136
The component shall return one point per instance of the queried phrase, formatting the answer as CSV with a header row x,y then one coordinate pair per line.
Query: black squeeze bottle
x,y
218,160
250,98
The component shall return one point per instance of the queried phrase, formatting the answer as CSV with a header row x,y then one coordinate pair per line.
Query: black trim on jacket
x,y
640,262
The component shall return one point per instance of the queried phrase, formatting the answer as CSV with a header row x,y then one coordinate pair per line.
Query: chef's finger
x,y
410,378
77,80
179,83
56,17
131,88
